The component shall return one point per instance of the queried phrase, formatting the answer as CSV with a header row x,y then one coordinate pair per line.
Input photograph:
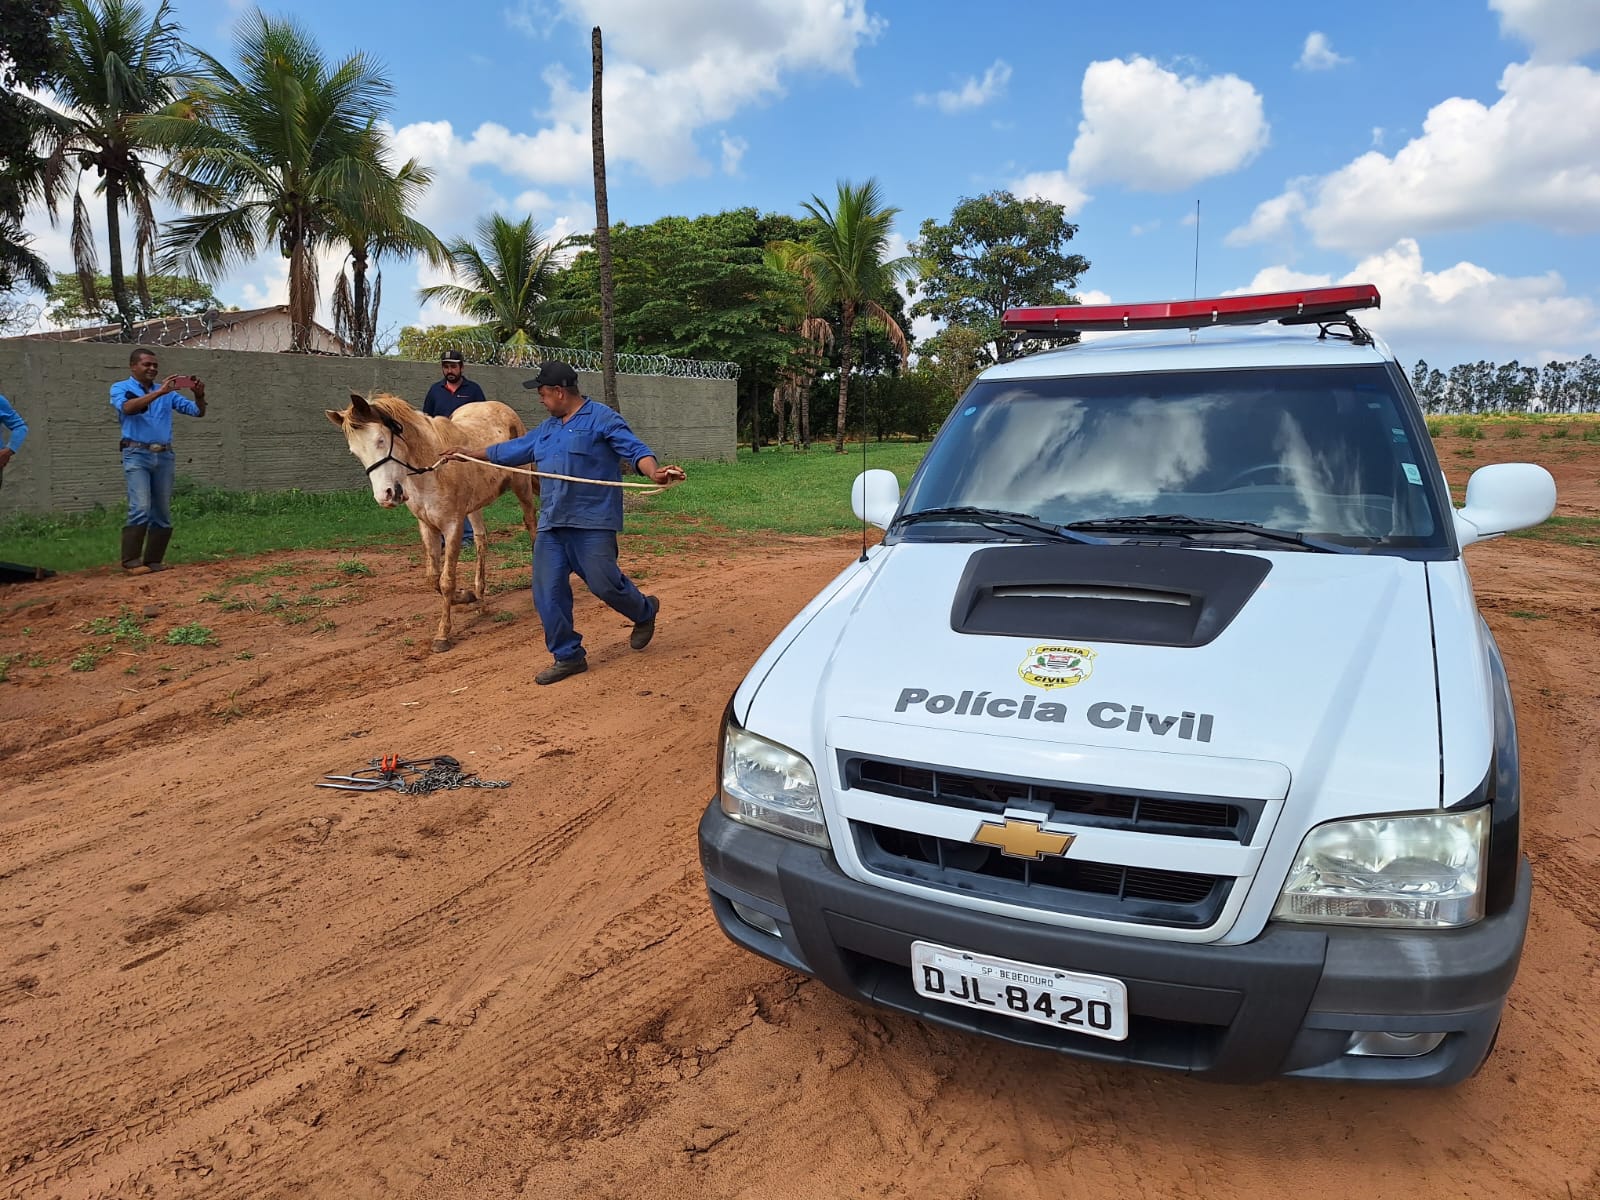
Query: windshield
x,y
1324,452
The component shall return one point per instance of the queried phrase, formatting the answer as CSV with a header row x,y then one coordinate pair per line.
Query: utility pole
x,y
602,236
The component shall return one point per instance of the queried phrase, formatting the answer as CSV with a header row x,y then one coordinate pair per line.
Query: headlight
x,y
1408,872
766,785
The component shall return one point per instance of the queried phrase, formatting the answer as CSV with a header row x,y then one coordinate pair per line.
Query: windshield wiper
x,y
993,519
1178,523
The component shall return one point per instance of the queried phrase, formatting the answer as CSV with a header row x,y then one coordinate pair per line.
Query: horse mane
x,y
416,427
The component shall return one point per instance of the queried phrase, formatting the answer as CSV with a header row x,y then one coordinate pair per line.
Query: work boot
x,y
644,630
155,547
560,669
133,550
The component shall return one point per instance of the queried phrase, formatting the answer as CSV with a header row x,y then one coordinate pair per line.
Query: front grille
x,y
1230,819
1136,894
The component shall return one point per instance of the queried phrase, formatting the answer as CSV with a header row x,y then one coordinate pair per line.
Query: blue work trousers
x,y
591,555
149,474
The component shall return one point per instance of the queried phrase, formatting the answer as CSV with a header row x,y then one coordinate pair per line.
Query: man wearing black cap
x,y
449,394
454,390
578,522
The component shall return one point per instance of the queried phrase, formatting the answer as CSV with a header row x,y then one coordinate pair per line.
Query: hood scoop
x,y
1144,595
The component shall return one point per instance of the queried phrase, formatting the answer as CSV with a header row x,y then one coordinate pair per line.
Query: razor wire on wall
x,y
269,331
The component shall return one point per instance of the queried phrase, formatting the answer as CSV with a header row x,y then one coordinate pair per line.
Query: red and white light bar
x,y
1307,303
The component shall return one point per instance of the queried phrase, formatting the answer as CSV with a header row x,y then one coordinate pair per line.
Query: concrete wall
x,y
264,429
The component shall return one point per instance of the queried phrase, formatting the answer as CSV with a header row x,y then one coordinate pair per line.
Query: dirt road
x,y
221,981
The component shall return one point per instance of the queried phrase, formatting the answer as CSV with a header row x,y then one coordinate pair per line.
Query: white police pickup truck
x,y
1161,727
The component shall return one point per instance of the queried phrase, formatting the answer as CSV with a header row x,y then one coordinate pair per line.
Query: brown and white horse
x,y
399,445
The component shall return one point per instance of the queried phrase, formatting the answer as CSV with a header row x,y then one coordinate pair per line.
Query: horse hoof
x,y
440,645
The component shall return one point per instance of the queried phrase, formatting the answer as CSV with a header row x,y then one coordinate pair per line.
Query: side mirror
x,y
1504,497
874,496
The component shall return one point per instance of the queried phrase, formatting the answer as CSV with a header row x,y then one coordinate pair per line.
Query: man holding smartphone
x,y
148,461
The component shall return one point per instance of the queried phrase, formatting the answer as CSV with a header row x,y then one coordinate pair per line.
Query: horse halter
x,y
390,457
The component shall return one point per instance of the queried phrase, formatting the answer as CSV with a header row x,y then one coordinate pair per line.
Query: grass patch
x,y
1568,531
127,628
276,571
5,665
192,634
87,660
781,491
1526,615
1470,429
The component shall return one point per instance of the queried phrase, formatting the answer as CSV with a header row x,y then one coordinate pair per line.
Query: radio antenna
x,y
865,400
1195,295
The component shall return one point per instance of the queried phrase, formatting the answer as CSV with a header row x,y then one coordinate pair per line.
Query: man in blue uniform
x,y
578,522
12,420
447,395
148,461
452,391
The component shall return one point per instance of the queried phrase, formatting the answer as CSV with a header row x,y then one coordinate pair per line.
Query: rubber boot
x,y
133,550
155,547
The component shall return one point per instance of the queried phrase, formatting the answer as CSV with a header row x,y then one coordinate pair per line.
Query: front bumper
x,y
1287,1003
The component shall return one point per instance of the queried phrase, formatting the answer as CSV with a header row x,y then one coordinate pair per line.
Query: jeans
x,y
591,554
149,476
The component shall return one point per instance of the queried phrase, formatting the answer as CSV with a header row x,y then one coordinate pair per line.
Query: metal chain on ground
x,y
447,778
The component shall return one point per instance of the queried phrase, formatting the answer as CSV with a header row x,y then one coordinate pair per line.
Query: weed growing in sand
x,y
87,660
244,656
275,571
324,627
127,628
1527,615
503,618
354,566
1469,429
192,634
5,665
1514,430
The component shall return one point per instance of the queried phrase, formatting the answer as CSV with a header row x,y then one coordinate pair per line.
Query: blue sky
x,y
1446,150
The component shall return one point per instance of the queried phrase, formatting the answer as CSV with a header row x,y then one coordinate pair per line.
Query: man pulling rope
x,y
579,444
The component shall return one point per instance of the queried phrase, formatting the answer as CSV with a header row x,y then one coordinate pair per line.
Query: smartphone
x,y
183,381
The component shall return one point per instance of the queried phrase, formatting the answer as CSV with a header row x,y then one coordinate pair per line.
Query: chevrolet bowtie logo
x,y
1023,839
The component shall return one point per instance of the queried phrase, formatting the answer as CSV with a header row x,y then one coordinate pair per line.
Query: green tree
x,y
28,59
695,287
118,62
382,225
169,296
996,252
279,152
506,277
792,390
846,260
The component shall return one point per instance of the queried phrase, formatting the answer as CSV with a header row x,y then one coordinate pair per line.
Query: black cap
x,y
553,374
451,356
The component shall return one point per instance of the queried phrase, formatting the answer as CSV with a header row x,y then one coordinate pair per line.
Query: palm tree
x,y
792,391
506,278
281,152
372,231
116,63
845,260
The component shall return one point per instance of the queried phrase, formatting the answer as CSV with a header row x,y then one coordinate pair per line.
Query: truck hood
x,y
1326,669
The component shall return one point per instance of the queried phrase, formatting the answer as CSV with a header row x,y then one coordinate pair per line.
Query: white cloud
x,y
1318,54
1557,30
1533,156
1149,128
1464,305
1377,136
1051,185
1272,219
974,93
733,151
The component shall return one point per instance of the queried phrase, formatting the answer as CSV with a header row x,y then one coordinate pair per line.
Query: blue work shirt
x,y
12,420
441,401
154,424
588,445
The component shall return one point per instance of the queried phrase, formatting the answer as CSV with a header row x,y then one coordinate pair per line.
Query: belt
x,y
158,447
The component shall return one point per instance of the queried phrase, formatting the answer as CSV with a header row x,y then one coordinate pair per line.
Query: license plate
x,y
1090,1004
